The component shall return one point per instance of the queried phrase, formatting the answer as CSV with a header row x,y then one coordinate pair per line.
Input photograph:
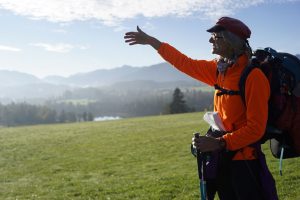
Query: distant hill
x,y
162,72
32,90
17,85
14,78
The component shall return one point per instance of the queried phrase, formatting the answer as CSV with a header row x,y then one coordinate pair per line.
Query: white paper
x,y
214,120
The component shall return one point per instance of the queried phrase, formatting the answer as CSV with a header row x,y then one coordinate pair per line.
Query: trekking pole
x,y
201,163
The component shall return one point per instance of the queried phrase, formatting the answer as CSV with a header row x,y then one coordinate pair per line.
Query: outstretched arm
x,y
141,37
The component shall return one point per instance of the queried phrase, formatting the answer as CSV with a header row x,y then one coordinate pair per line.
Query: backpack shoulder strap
x,y
242,82
244,76
223,91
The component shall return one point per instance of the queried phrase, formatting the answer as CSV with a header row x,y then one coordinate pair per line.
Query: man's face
x,y
220,46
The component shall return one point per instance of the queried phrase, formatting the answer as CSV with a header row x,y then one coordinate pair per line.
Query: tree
x,y
62,117
90,117
178,104
84,116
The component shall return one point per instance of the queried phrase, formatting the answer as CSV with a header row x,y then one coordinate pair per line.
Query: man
x,y
238,170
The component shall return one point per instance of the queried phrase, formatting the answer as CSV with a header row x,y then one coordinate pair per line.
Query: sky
x,y
66,37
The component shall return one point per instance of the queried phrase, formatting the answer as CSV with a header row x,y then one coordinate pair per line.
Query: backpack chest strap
x,y
223,91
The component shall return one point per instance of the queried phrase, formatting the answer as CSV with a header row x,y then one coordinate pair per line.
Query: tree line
x,y
132,103
15,114
73,106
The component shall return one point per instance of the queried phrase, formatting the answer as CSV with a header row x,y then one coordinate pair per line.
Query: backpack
x,y
283,73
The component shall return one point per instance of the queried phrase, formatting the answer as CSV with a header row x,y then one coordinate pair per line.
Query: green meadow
x,y
139,158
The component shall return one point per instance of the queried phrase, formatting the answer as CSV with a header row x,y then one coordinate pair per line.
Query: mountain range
x,y
17,85
162,72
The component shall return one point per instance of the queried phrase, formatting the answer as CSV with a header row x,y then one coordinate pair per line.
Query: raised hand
x,y
140,37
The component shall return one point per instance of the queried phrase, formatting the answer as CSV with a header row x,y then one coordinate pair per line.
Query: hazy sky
x,y
64,37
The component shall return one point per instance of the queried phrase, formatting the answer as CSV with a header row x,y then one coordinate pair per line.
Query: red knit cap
x,y
232,25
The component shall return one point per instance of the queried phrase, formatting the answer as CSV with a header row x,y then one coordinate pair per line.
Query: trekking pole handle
x,y
197,135
198,155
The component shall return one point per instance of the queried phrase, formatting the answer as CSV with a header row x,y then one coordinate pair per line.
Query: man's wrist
x,y
155,43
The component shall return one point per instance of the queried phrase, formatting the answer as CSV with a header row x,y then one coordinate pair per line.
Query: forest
x,y
87,103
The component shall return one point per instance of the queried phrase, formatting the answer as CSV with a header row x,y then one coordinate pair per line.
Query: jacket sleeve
x,y
257,93
201,70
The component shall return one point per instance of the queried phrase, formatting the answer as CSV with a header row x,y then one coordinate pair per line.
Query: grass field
x,y
139,158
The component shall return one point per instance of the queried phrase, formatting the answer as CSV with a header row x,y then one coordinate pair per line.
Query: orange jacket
x,y
245,125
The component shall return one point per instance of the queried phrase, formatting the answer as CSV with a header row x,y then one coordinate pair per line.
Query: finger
x,y
131,40
129,36
131,33
139,30
196,139
133,43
